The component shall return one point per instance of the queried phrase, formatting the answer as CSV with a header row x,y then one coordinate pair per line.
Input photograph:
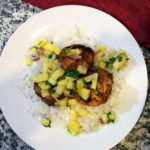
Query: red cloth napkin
x,y
134,14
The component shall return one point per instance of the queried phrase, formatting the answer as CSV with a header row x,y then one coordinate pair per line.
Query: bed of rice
x,y
60,116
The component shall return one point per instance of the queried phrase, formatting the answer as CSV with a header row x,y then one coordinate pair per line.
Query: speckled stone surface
x,y
12,14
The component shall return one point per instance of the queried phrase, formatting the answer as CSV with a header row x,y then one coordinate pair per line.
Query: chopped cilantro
x,y
72,73
67,50
109,113
120,58
50,56
48,83
52,91
110,62
109,121
72,92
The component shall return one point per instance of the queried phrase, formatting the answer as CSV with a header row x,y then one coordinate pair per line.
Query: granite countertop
x,y
12,14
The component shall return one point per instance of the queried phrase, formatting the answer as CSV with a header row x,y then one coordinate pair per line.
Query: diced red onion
x,y
101,121
75,57
36,58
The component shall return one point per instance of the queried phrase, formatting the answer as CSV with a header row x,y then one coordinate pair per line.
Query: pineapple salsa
x,y
62,85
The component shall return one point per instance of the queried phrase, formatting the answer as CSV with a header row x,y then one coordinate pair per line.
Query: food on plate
x,y
76,85
44,95
77,57
101,87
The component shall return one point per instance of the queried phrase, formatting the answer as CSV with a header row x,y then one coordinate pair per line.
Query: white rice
x,y
60,116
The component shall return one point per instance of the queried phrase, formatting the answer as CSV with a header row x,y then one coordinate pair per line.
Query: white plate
x,y
14,105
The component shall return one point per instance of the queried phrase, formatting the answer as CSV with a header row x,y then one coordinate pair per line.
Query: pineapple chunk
x,y
75,52
66,92
45,93
29,61
41,42
73,127
82,69
52,80
39,78
55,95
55,49
55,64
100,54
32,49
47,52
112,116
74,115
72,102
80,83
61,103
101,47
43,86
45,66
93,77
45,122
88,78
121,51
83,112
94,81
84,93
120,62
70,84
50,48
59,89
47,47
104,117
57,74
63,82
101,64
70,78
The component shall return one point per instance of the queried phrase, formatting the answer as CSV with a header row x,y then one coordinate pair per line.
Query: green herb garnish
x,y
109,121
72,73
67,50
110,62
120,58
52,56
33,56
52,91
48,83
72,92
108,116
109,113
